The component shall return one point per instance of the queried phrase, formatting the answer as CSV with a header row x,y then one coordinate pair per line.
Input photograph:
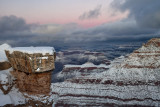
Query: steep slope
x,y
136,81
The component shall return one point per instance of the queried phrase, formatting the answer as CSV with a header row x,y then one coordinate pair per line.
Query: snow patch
x,y
86,65
3,47
14,96
3,78
32,50
38,69
5,99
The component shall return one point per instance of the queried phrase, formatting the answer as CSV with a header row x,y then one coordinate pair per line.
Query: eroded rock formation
x,y
31,69
135,81
28,82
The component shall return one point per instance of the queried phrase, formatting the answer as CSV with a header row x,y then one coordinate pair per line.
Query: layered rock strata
x,y
32,67
134,82
71,71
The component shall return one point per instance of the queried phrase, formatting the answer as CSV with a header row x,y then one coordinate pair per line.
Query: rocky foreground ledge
x,y
28,82
32,68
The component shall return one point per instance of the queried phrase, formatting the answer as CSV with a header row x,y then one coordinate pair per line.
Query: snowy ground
x,y
2,52
13,96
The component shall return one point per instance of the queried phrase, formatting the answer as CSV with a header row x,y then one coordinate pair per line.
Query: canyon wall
x,y
133,82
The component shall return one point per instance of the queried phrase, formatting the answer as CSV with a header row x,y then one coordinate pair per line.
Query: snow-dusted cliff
x,y
127,81
136,81
88,68
71,71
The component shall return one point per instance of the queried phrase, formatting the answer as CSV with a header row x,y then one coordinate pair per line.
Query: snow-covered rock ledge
x,y
33,50
31,59
32,67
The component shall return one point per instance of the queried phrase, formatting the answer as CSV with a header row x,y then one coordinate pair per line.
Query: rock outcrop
x,y
11,96
28,82
5,65
32,68
134,82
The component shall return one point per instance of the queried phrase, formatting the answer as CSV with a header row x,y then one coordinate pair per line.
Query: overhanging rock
x,y
31,59
32,68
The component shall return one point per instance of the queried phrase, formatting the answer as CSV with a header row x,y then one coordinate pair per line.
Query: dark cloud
x,y
12,24
92,14
126,30
14,30
145,12
122,30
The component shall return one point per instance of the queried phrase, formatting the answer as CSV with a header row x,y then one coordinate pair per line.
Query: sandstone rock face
x,y
31,63
135,81
38,83
32,68
5,65
11,96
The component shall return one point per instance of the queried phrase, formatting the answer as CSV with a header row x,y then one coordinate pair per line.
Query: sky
x,y
61,11
60,22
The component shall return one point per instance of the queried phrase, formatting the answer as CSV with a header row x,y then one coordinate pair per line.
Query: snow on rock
x,y
32,50
70,71
9,94
42,98
29,50
133,82
3,78
16,96
86,65
5,99
3,47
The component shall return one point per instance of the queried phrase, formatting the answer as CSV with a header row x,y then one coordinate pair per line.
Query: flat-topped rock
x,y
31,59
34,50
31,66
